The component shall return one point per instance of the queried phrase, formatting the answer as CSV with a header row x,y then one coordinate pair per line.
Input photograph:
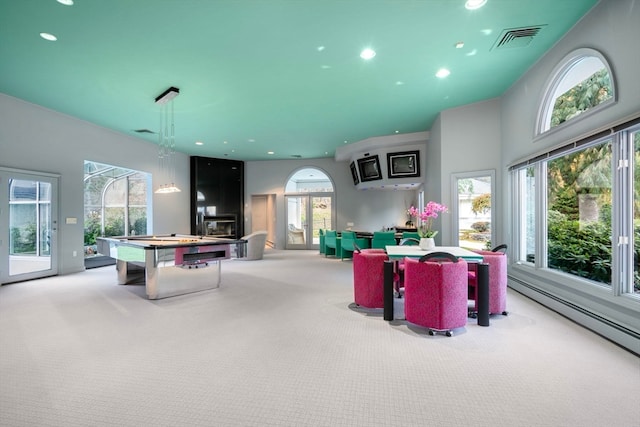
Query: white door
x,y
306,215
29,224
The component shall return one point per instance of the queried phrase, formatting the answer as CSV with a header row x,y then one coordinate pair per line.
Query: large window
x,y
115,203
579,213
589,204
577,206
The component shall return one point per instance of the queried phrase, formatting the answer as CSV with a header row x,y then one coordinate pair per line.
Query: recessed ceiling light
x,y
442,73
472,53
459,45
475,4
367,53
48,36
199,143
399,83
66,2
270,152
225,142
320,48
325,67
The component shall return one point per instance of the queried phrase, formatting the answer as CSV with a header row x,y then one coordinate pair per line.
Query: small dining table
x,y
398,252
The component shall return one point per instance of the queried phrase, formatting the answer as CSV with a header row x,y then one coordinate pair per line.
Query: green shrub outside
x,y
585,250
23,239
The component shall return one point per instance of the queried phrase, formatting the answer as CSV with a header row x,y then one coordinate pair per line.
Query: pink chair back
x,y
436,293
368,278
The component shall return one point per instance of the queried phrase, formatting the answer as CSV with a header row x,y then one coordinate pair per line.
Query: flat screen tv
x,y
402,165
354,174
369,168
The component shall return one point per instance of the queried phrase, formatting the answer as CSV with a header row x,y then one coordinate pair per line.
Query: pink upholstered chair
x,y
368,278
497,282
435,292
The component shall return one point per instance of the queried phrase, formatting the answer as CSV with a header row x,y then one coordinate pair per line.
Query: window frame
x,y
558,76
621,290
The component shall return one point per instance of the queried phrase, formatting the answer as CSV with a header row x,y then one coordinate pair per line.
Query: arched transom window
x,y
582,82
309,180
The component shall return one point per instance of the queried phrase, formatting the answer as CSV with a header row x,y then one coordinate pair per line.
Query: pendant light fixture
x,y
167,141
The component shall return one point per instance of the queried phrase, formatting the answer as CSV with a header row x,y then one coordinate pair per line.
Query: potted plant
x,y
425,220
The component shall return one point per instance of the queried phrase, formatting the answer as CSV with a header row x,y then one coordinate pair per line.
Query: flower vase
x,y
427,243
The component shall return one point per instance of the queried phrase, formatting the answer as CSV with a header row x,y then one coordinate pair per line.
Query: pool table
x,y
170,265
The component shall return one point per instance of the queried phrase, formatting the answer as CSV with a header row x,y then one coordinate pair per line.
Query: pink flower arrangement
x,y
426,217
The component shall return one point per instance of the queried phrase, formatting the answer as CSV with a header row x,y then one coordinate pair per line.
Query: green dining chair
x,y
332,243
411,235
382,239
347,244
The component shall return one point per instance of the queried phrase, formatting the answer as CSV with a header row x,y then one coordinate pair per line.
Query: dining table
x,y
403,251
399,252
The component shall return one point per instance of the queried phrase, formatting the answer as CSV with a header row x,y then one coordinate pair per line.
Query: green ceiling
x,y
270,75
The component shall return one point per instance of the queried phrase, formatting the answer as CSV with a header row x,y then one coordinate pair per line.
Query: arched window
x,y
309,180
582,82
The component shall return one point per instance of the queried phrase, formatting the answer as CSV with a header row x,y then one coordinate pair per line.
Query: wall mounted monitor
x,y
369,168
403,165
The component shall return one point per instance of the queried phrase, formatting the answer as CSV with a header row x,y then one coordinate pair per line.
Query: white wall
x,y
41,140
369,210
464,139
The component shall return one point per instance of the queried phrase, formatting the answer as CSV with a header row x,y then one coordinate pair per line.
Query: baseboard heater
x,y
575,307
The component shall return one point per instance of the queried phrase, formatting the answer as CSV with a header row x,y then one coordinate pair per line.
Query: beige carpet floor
x,y
278,345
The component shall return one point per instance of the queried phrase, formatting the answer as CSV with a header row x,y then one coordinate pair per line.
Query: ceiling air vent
x,y
143,131
517,37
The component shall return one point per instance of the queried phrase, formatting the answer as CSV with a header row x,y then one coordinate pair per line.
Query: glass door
x,y
306,215
28,214
473,209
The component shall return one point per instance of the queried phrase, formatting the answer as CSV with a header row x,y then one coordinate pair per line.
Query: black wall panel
x,y
221,183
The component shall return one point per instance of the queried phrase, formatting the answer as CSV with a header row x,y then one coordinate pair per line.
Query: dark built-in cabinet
x,y
217,197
